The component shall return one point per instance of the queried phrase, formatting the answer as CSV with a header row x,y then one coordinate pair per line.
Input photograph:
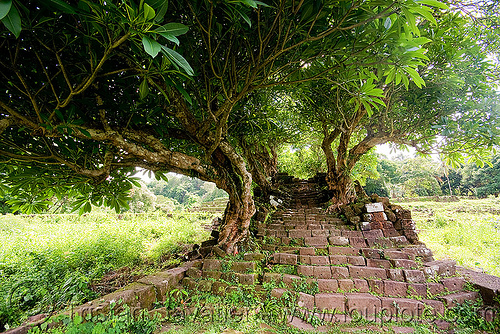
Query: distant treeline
x,y
426,177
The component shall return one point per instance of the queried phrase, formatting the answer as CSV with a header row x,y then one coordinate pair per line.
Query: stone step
x,y
366,305
458,298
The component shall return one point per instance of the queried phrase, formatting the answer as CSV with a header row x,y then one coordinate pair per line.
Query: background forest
x,y
397,177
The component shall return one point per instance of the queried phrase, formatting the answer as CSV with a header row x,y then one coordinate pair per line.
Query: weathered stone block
x,y
219,288
364,303
204,286
343,251
320,233
414,276
417,290
305,270
361,285
352,234
245,267
395,289
379,217
212,274
391,216
405,264
327,285
436,307
254,257
164,281
377,263
339,272
322,272
299,233
316,241
271,277
305,259
330,301
435,288
305,301
371,253
373,234
338,259
320,260
399,241
247,279
193,273
306,251
459,298
346,285
365,226
357,242
397,255
367,272
395,274
402,308
210,264
453,283
443,268
338,241
390,233
356,260
376,286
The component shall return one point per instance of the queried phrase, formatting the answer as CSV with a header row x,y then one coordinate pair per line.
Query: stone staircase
x,y
337,270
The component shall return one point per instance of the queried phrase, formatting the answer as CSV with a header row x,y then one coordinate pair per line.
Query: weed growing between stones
x,y
466,316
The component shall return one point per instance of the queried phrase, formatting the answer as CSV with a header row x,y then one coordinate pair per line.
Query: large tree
x,y
93,89
449,105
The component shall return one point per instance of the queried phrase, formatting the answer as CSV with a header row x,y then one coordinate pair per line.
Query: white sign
x,y
374,207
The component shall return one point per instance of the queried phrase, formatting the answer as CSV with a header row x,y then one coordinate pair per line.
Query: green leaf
x,y
151,46
415,77
387,23
59,114
174,29
171,38
13,21
61,5
178,59
434,3
160,7
85,132
250,3
143,89
4,7
245,17
368,108
184,93
426,13
412,23
406,81
260,3
149,12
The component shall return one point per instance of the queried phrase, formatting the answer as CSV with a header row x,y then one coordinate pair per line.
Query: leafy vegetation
x,y
162,85
467,231
50,261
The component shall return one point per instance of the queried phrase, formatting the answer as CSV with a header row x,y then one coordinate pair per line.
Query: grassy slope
x,y
467,231
48,261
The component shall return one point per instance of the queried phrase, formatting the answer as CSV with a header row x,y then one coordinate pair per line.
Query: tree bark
x,y
262,163
236,180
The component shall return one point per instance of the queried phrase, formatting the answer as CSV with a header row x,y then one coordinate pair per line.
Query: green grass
x,y
49,262
467,231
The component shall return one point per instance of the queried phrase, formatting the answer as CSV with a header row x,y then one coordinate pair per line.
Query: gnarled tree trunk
x,y
237,182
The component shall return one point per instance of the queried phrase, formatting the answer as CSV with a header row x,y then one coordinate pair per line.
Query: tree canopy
x,y
93,89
